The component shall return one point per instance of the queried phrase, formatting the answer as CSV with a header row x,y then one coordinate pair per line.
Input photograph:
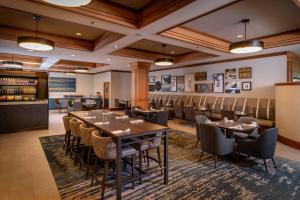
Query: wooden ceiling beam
x,y
28,61
106,39
71,64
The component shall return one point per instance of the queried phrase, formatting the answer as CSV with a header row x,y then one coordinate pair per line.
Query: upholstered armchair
x,y
214,142
160,118
263,147
199,119
247,120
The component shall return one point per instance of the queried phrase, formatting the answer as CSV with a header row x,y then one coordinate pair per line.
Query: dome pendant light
x,y
34,42
69,3
12,64
246,46
164,61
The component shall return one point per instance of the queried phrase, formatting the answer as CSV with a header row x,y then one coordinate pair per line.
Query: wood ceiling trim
x,y
28,61
9,33
281,39
102,11
71,64
106,39
184,34
193,56
159,9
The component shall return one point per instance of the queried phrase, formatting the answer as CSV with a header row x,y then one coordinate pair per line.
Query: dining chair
x,y
77,105
214,142
160,118
189,114
247,120
118,104
229,114
262,147
178,113
105,150
64,103
75,148
57,105
86,138
199,119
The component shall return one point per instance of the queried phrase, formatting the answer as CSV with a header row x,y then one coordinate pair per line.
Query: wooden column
x,y
139,84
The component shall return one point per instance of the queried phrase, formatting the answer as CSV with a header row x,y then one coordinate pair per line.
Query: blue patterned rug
x,y
188,178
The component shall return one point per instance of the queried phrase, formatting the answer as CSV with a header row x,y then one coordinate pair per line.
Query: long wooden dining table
x,y
109,123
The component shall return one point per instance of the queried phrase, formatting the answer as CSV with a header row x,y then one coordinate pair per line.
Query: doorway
x,y
106,94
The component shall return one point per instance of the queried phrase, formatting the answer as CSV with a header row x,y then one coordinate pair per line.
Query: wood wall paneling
x,y
293,66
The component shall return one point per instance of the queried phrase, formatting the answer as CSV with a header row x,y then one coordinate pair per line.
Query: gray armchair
x,y
247,120
199,119
263,147
213,141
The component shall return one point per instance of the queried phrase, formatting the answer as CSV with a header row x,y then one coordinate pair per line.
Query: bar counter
x,y
23,115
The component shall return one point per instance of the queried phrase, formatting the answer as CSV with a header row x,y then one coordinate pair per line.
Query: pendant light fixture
x,y
12,64
69,3
246,46
164,61
34,42
81,70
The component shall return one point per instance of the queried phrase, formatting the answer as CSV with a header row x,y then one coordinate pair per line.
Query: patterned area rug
x,y
188,178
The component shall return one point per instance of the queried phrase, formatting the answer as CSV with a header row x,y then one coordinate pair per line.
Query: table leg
x,y
118,171
166,167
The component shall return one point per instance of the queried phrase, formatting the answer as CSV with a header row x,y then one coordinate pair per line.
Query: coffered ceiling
x,y
117,32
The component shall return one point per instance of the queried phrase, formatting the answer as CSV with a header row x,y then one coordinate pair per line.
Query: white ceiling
x,y
266,17
148,32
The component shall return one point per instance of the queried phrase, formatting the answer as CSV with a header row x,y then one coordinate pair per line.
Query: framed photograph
x,y
180,83
246,86
151,88
200,76
157,86
189,83
173,84
219,83
230,73
166,79
152,79
60,84
204,88
166,88
245,73
233,87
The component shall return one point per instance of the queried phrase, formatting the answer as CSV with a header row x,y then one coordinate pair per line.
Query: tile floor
x,y
24,170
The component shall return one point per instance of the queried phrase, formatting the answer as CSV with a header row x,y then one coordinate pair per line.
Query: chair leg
x,y
88,162
67,148
237,156
266,166
94,172
159,159
72,147
201,155
274,163
132,171
77,151
140,165
65,141
216,160
147,154
196,143
106,163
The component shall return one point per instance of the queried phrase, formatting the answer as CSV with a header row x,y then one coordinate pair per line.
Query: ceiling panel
x,y
156,47
24,20
266,17
132,4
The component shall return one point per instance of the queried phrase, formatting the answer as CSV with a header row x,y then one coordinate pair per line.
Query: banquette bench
x,y
261,108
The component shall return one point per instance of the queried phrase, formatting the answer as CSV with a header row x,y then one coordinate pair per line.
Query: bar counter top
x,y
24,102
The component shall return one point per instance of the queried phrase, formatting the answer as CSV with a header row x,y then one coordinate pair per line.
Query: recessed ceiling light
x,y
30,50
107,59
81,70
115,46
73,3
78,34
172,52
72,55
239,36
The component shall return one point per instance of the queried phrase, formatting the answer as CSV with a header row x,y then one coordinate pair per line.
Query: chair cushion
x,y
240,135
265,122
127,151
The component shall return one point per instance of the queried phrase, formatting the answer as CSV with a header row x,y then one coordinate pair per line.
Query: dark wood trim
x,y
224,61
121,71
289,142
287,84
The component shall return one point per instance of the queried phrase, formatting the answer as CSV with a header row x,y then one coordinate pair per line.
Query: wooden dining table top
x,y
229,125
135,129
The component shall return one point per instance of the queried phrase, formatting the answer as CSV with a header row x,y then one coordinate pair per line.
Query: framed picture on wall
x,y
246,86
157,86
200,76
204,88
166,88
152,79
180,83
230,73
166,79
219,83
173,84
233,87
151,88
189,83
245,73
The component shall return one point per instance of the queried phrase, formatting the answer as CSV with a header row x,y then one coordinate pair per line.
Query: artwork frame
x,y
247,86
200,76
166,88
189,83
173,84
165,79
233,87
230,73
151,79
204,88
151,88
245,73
218,83
157,86
180,83
62,84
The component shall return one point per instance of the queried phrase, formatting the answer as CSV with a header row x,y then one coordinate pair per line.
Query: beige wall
x,y
120,86
265,73
288,111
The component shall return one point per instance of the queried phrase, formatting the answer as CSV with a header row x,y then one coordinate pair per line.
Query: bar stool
x,y
105,149
75,148
86,138
68,135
